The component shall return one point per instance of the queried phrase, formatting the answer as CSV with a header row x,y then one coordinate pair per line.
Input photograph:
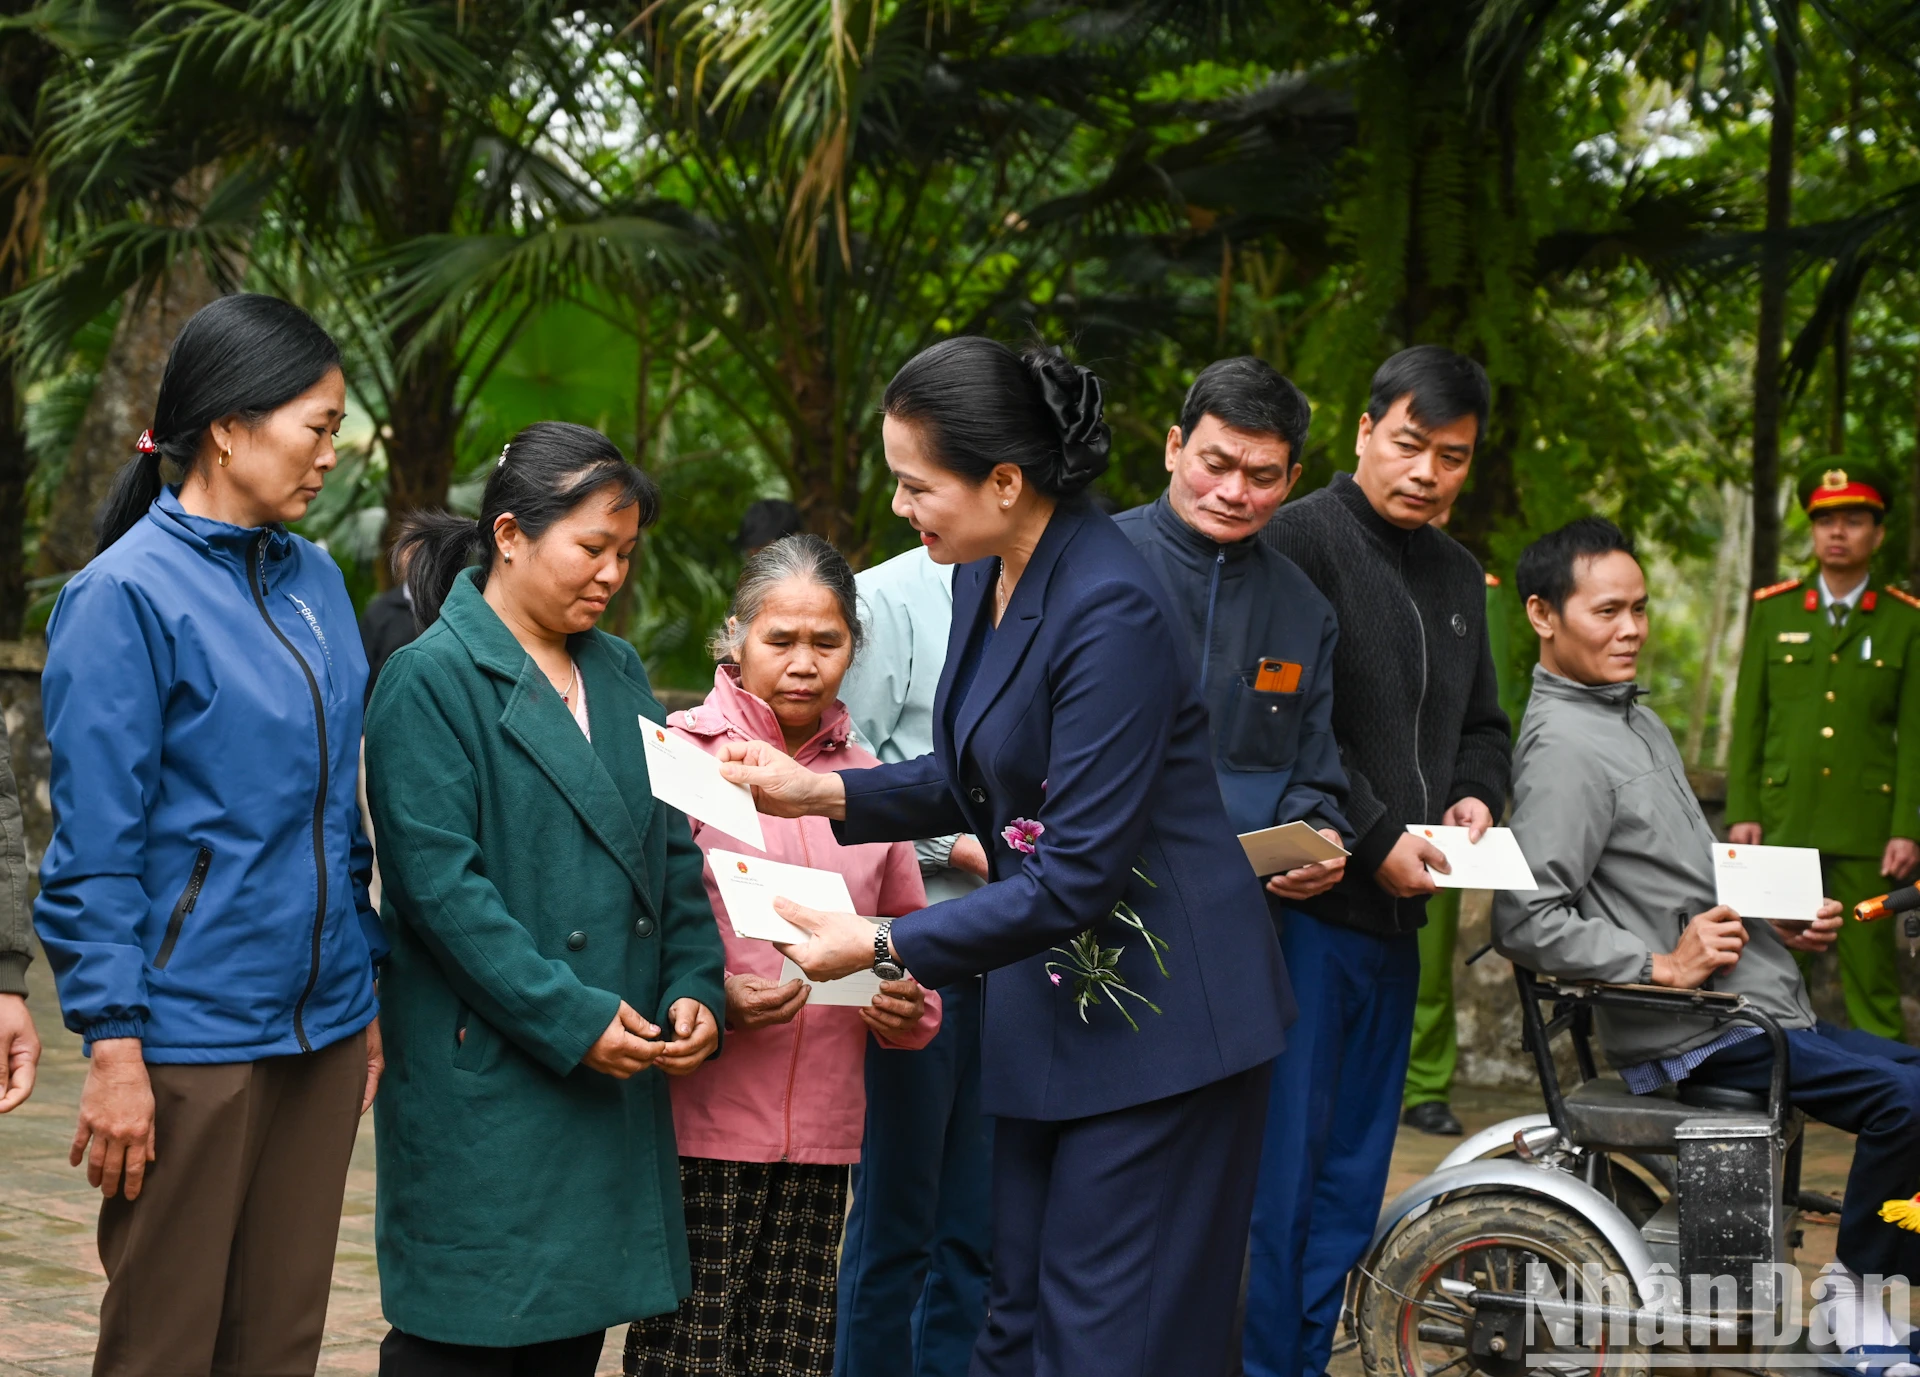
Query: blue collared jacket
x,y
1243,603
206,885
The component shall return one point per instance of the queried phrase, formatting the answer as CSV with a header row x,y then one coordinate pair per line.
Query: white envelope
x,y
1493,862
689,779
750,884
1275,850
856,989
1768,881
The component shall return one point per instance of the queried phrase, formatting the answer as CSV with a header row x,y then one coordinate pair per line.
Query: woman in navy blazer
x,y
1124,1161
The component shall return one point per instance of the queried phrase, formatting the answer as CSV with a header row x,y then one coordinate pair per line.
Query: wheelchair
x,y
1583,1238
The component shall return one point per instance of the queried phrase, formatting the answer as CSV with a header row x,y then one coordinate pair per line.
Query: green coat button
x,y
576,941
643,928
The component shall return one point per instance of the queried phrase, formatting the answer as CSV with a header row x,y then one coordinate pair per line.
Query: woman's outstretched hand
x,y
782,787
837,943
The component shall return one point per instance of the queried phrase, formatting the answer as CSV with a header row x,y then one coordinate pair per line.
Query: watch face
x,y
888,970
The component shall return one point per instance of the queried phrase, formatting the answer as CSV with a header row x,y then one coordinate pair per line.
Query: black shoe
x,y
1432,1116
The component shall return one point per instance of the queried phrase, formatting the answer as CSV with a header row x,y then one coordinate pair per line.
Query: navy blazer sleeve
x,y
1317,792
900,802
1113,698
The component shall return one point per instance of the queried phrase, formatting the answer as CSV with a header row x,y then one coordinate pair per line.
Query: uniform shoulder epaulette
x,y
1760,594
1493,581
1905,597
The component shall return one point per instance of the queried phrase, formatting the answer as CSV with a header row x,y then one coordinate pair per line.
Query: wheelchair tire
x,y
1410,1328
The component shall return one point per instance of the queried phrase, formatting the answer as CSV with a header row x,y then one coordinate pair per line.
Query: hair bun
x,y
1073,396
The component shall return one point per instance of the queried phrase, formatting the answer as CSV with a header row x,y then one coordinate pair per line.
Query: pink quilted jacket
x,y
793,1092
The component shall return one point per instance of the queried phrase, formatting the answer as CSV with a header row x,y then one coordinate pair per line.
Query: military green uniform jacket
x,y
1826,726
531,883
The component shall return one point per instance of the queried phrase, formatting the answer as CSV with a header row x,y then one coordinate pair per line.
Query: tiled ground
x,y
50,1281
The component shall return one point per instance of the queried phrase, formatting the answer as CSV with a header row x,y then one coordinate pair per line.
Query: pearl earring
x,y
507,555
1007,503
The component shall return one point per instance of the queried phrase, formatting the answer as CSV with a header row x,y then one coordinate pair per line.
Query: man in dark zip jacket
x,y
1423,739
1233,458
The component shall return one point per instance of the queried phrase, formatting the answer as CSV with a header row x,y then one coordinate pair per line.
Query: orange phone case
x,y
1277,676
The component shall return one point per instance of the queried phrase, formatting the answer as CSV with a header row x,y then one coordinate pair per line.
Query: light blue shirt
x,y
906,610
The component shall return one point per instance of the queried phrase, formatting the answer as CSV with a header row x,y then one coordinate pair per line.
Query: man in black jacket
x,y
1417,716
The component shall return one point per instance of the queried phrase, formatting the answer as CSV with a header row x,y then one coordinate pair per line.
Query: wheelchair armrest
x,y
1733,1008
1666,993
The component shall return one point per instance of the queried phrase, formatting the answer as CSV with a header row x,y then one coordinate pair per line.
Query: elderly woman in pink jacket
x,y
768,1130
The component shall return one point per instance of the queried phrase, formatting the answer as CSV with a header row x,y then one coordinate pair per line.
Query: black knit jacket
x,y
1416,710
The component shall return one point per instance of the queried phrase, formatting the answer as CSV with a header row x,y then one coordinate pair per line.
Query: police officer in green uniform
x,y
1826,733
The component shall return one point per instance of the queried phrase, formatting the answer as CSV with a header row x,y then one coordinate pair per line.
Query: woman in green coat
x,y
553,948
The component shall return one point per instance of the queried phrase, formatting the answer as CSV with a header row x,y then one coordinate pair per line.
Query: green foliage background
x,y
713,231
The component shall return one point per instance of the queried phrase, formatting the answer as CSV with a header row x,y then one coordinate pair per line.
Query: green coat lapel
x,y
536,719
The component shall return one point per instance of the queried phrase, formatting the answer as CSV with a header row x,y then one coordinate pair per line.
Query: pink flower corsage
x,y
1021,834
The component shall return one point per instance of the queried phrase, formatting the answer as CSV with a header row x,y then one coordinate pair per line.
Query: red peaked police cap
x,y
1836,490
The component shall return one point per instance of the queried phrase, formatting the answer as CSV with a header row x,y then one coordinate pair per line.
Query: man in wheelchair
x,y
1622,855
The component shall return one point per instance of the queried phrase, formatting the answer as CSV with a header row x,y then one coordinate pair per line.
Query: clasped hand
x,y
631,1043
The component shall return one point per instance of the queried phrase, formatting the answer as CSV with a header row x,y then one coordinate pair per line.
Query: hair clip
x,y
145,444
503,454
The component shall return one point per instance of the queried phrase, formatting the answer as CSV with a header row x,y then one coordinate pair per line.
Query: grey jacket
x,y
16,926
1623,858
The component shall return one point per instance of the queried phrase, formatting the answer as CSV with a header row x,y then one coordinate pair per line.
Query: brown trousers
x,y
224,1262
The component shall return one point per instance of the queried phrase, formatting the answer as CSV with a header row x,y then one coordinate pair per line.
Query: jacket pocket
x,y
1262,730
473,1039
1789,671
183,906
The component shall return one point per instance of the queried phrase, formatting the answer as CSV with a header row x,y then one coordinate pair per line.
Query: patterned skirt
x,y
764,1238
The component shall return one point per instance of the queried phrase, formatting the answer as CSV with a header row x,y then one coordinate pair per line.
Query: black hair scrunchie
x,y
1073,395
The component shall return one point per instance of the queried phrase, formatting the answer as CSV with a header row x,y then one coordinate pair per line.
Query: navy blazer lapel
x,y
1019,624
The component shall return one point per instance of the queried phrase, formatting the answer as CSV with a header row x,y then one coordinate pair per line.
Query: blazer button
x,y
576,941
977,794
643,928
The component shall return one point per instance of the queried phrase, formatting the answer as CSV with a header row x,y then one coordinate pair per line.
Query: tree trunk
x,y
121,407
1774,274
818,481
420,454
1913,486
16,466
1741,516
1726,565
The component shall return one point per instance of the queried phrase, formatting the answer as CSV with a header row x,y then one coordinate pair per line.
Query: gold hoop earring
x,y
226,457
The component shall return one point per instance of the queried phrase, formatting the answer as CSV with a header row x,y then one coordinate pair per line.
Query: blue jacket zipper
x,y
258,586
1206,646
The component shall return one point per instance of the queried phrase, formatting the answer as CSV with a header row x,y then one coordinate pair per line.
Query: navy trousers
x,y
1329,1141
1864,1085
913,1268
1118,1240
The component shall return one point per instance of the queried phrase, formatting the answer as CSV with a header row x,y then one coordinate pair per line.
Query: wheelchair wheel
x,y
1410,1327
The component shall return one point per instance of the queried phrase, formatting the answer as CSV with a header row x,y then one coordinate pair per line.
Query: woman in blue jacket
x,y
203,901
1069,736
